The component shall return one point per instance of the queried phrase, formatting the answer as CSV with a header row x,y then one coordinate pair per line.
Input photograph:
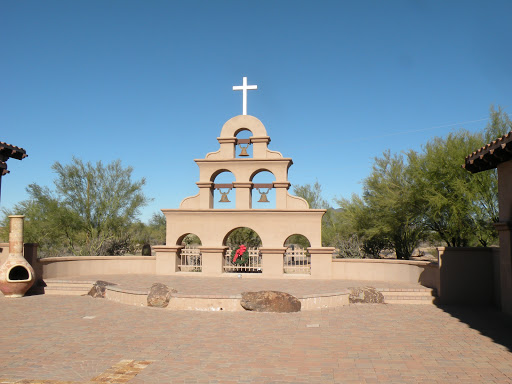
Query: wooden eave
x,y
490,155
11,151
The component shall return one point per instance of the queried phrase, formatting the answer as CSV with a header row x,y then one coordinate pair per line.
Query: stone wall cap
x,y
387,261
245,211
164,248
79,258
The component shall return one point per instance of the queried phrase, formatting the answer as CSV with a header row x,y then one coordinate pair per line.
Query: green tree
x,y
312,194
90,213
245,236
358,219
458,206
391,201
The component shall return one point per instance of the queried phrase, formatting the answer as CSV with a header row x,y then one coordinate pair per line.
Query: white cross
x,y
244,88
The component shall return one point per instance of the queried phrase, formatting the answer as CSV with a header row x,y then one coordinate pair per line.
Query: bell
x,y
224,198
263,198
244,150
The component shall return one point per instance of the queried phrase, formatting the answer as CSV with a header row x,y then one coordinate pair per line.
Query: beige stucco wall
x,y
56,267
273,226
467,275
405,271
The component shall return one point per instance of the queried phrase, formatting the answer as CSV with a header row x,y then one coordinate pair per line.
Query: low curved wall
x,y
97,265
405,271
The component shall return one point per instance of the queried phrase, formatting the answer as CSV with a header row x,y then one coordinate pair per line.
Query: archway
x,y
250,260
263,194
297,259
224,196
189,257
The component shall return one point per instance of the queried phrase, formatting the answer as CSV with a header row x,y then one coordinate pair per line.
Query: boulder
x,y
365,295
159,295
146,250
269,301
98,289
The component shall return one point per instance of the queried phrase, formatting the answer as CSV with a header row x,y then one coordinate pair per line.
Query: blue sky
x,y
150,82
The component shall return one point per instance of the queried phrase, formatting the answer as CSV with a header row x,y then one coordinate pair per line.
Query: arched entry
x,y
189,256
248,261
297,259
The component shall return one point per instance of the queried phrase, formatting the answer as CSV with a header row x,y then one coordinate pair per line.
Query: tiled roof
x,y
490,155
9,150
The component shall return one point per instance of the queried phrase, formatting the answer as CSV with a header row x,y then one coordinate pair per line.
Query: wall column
x,y
272,261
321,262
243,195
212,260
281,193
167,259
205,194
505,235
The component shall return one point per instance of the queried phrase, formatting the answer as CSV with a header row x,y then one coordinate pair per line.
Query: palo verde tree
x,y
458,206
91,211
390,199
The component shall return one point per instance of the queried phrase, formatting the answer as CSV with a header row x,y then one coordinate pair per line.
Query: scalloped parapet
x,y
295,202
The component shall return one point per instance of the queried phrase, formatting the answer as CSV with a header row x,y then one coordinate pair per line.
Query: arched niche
x,y
223,177
297,240
266,178
248,262
189,239
297,259
189,256
242,235
243,122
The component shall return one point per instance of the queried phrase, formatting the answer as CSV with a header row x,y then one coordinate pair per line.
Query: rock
x,y
146,250
98,289
159,295
365,295
269,301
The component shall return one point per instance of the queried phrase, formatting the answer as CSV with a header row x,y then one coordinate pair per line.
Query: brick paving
x,y
46,339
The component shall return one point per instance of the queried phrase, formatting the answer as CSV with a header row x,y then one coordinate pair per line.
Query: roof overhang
x,y
490,155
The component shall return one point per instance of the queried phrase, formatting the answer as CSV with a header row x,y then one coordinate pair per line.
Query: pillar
x,y
212,259
321,262
167,259
505,235
281,193
227,147
205,194
272,261
259,146
243,195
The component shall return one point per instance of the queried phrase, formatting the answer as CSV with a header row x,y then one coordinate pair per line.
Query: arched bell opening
x,y
224,196
18,273
189,257
244,148
297,259
242,255
263,193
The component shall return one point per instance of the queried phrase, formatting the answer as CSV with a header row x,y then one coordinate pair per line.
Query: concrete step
x,y
67,287
409,296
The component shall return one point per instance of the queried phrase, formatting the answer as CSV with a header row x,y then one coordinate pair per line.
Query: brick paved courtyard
x,y
76,339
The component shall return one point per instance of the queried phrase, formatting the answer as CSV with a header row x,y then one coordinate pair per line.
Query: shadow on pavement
x,y
489,321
